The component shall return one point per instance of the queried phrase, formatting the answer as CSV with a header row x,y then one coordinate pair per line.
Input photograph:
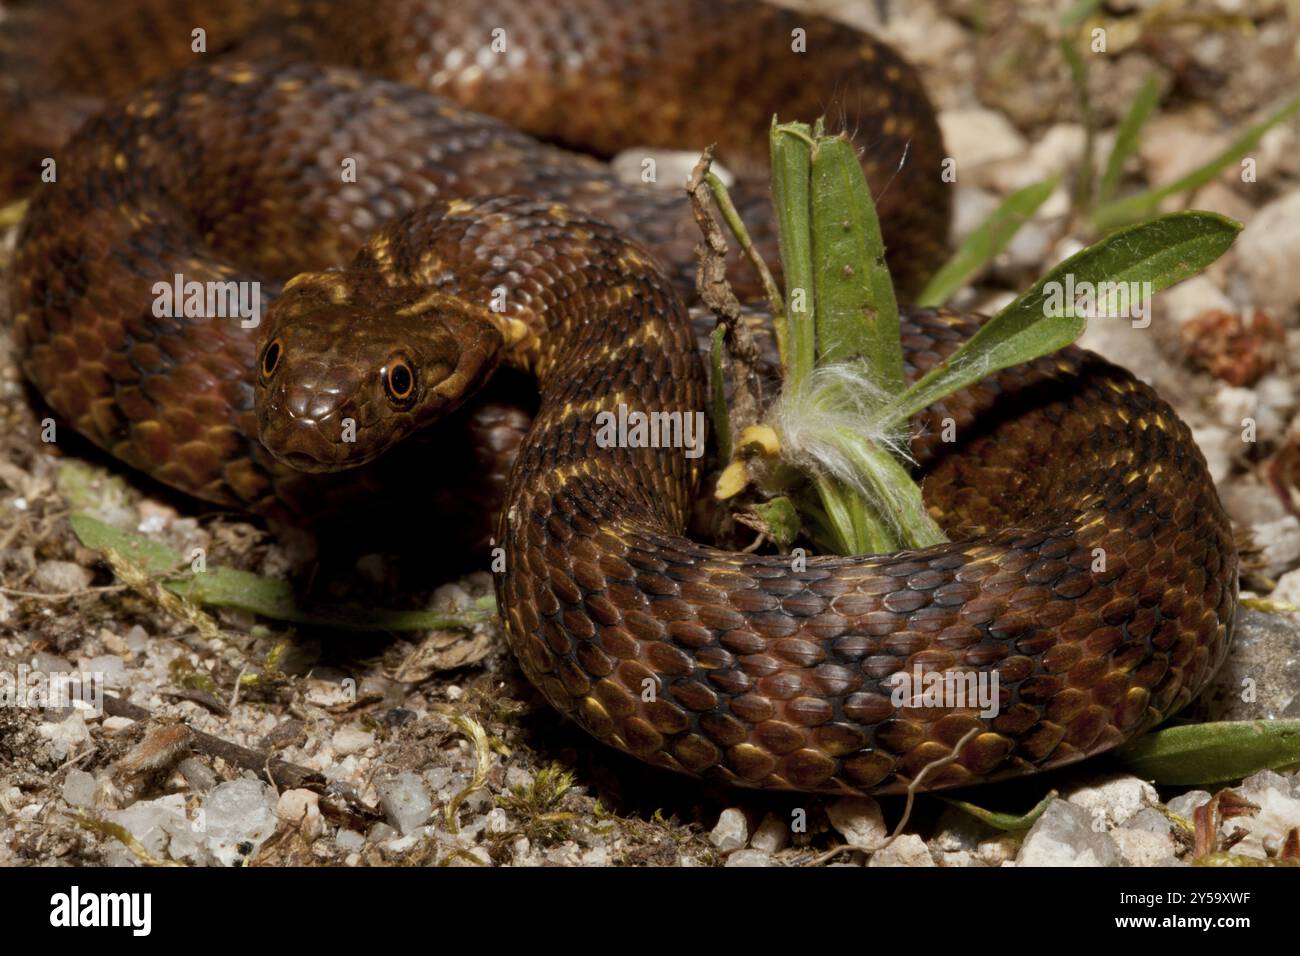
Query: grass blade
x,y
1121,211
1009,822
1079,81
1126,140
271,598
989,239
718,394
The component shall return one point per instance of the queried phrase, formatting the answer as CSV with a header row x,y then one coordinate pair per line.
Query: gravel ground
x,y
432,748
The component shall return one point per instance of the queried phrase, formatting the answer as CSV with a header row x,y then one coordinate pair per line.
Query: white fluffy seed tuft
x,y
831,425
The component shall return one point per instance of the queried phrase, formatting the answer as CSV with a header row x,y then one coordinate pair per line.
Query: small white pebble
x,y
749,858
859,821
351,739
731,832
349,840
152,524
772,834
301,808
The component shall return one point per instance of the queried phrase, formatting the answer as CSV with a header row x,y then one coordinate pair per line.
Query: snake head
x,y
342,376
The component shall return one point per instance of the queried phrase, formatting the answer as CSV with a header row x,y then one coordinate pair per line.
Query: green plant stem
x,y
718,389
737,226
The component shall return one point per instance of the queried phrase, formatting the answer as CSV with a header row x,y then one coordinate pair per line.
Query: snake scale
x,y
225,165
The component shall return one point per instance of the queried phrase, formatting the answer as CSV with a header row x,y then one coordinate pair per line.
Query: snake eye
x,y
399,380
271,358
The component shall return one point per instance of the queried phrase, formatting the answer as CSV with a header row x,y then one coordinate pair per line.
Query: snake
x,y
416,192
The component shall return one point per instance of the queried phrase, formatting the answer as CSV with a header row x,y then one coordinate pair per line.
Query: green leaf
x,y
1197,754
1126,140
1004,821
1120,211
242,590
1162,251
791,194
857,314
782,520
986,241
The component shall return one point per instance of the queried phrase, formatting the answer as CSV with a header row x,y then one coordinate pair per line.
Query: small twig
x,y
915,785
912,789
754,523
62,595
716,293
75,760
287,775
842,848
284,775
200,697
239,680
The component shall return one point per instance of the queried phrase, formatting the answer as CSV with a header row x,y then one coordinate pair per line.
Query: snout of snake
x,y
1090,585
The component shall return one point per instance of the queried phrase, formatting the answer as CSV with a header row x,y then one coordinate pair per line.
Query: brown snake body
x,y
1092,568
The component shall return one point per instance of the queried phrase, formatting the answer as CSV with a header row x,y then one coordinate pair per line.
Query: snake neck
x,y
585,310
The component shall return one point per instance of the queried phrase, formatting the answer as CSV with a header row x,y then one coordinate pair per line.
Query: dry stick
x,y
200,697
836,851
912,789
285,775
77,759
715,292
915,785
62,595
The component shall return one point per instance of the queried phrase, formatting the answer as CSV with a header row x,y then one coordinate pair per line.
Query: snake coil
x,y
1091,578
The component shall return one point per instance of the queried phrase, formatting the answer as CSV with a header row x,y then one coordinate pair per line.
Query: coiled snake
x,y
1092,568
